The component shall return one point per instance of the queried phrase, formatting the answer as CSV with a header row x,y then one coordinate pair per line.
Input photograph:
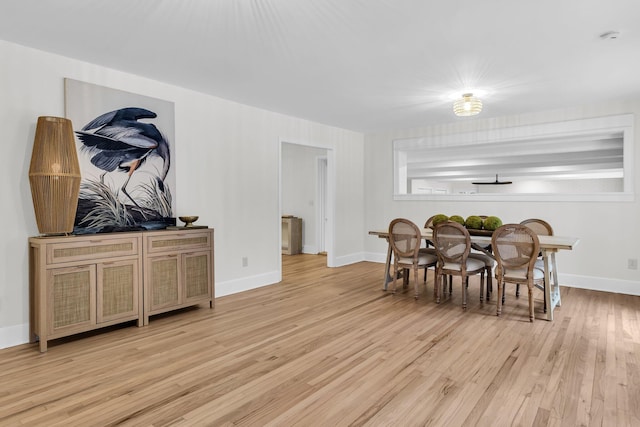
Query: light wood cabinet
x,y
80,283
178,270
291,235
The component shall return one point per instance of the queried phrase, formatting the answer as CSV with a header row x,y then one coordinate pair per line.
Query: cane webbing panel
x,y
186,241
76,251
514,246
196,276
71,298
404,237
117,289
164,279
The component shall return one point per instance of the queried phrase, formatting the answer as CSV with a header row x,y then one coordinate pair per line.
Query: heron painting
x,y
118,141
126,161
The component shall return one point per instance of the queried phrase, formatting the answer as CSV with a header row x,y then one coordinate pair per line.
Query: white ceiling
x,y
365,65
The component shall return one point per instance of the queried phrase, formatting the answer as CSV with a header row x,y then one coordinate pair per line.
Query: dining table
x,y
549,246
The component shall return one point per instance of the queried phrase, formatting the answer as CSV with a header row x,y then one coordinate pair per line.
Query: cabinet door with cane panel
x,y
80,283
178,270
70,300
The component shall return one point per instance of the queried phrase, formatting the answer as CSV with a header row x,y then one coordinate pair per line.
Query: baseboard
x,y
348,259
310,249
605,284
14,335
618,286
246,283
375,257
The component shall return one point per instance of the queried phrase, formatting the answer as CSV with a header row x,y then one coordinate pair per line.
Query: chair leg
x,y
530,286
482,286
499,301
517,290
489,285
465,282
436,287
395,279
415,282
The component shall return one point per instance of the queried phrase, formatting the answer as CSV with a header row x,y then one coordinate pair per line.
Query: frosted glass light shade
x,y
54,175
468,105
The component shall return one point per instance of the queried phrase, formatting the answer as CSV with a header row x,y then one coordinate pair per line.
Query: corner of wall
x,y
14,335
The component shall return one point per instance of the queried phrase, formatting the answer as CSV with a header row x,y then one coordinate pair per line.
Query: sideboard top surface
x,y
36,240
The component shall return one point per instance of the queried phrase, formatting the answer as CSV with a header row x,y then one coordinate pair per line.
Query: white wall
x,y
227,173
299,181
609,232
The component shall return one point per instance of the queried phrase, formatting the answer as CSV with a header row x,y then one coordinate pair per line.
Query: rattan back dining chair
x,y
405,239
516,247
489,262
428,244
541,228
453,244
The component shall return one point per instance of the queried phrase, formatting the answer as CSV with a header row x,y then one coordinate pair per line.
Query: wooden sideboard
x,y
83,282
291,235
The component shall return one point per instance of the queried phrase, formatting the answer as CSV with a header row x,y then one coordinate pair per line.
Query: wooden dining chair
x,y
453,244
541,228
428,244
405,239
516,247
489,263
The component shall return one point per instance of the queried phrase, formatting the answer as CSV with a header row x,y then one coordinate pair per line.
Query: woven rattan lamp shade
x,y
54,175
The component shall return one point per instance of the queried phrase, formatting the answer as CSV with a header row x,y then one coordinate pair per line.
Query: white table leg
x,y
387,267
556,284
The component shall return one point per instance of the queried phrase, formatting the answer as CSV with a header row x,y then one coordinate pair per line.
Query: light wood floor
x,y
327,347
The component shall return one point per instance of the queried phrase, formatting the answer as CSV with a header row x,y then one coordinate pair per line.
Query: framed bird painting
x,y
126,154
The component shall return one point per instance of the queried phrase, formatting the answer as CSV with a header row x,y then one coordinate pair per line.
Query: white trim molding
x,y
604,284
235,286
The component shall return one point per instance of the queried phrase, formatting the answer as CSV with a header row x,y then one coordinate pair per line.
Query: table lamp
x,y
54,175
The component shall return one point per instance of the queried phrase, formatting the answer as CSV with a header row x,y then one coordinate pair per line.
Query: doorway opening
x,y
307,191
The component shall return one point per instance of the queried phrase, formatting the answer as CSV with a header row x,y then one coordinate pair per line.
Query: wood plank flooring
x,y
327,347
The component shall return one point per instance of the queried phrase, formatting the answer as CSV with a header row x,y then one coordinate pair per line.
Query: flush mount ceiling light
x,y
466,106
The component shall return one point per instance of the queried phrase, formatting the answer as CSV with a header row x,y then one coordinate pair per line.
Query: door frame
x,y
321,202
330,200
